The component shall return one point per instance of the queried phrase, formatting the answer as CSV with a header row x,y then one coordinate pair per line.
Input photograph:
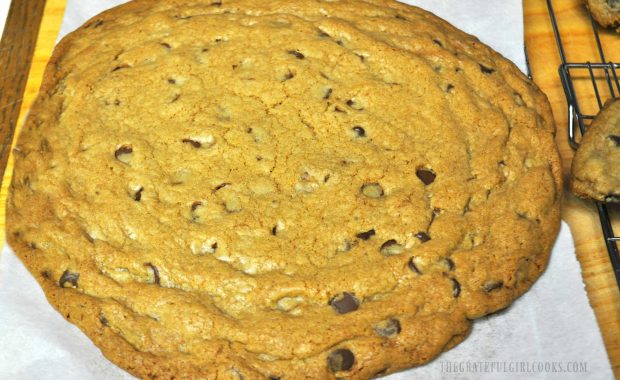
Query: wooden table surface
x,y
544,60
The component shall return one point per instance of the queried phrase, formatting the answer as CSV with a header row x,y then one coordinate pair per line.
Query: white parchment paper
x,y
549,333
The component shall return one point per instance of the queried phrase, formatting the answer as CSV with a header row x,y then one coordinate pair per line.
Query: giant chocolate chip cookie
x,y
281,189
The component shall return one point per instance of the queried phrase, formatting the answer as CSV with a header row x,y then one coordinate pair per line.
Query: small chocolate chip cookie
x,y
595,172
282,189
605,12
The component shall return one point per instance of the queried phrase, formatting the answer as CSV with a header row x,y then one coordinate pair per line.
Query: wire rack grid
x,y
602,79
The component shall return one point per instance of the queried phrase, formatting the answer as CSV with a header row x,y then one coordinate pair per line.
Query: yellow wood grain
x,y
580,45
544,59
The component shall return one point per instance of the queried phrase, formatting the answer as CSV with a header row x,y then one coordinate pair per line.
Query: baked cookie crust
x,y
281,189
605,12
595,171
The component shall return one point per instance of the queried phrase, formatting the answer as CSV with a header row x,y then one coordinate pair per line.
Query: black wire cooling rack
x,y
602,80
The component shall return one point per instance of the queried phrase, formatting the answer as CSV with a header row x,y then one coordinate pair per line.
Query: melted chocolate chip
x,y
448,263
413,267
456,288
155,272
328,93
138,195
391,247
340,360
289,75
423,236
344,303
359,131
195,205
69,279
221,186
196,144
354,104
489,286
366,235
486,70
388,328
296,54
120,67
615,139
104,321
122,150
427,176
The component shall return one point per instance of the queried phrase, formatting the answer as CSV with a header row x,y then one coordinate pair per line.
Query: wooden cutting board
x,y
544,60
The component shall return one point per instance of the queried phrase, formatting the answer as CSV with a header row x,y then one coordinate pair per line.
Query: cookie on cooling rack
x,y
282,189
605,12
595,172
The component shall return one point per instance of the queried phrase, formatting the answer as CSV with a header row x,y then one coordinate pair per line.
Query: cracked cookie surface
x,y
605,12
245,189
595,172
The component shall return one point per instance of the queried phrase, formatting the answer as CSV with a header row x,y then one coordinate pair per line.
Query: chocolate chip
x,y
354,104
296,54
391,247
328,93
388,328
104,321
340,360
46,274
221,186
138,194
615,139
123,150
272,377
486,70
195,205
155,272
448,263
216,4
372,190
366,235
172,81
427,176
456,288
413,266
344,303
70,278
166,45
339,110
449,88
120,67
274,230
489,286
288,76
196,144
423,236
359,131
323,34
437,42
